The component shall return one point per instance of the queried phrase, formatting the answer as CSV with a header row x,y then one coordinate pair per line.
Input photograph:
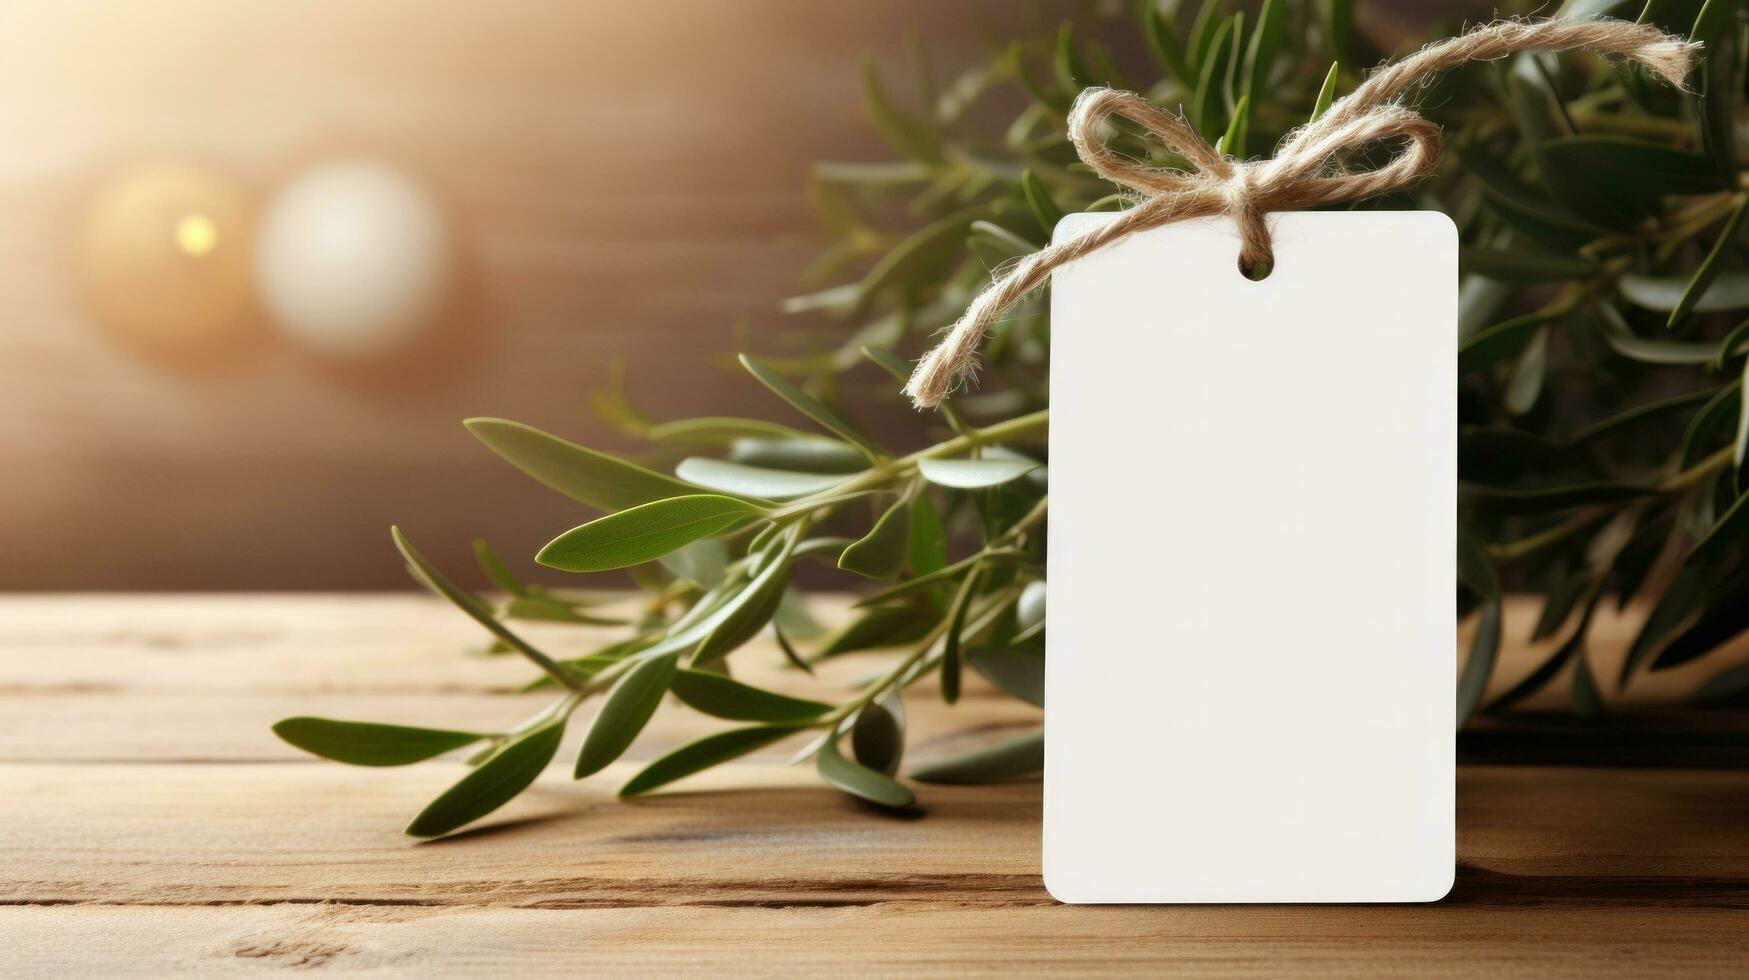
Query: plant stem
x,y
1679,483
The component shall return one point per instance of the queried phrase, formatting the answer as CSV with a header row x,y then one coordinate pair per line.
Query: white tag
x,y
1252,614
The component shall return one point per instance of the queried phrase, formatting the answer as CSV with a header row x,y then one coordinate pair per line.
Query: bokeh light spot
x,y
197,234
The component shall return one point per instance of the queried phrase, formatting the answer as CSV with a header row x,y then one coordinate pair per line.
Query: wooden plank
x,y
758,832
128,664
408,643
879,940
155,826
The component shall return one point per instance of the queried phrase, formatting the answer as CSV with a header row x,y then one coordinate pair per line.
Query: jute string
x,y
1301,174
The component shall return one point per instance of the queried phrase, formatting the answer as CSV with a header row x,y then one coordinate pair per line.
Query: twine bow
x,y
1301,174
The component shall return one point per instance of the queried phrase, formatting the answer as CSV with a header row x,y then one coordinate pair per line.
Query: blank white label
x,y
1249,689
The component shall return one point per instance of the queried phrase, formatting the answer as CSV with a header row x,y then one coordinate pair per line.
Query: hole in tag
x,y
1258,272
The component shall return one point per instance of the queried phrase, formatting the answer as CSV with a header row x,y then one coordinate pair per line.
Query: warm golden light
x,y
151,269
196,234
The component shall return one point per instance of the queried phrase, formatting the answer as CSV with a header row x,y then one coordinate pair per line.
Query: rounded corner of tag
x,y
1439,886
1441,224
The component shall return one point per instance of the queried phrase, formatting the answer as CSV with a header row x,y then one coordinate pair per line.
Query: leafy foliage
x,y
1603,342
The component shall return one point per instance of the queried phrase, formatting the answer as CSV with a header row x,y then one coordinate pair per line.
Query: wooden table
x,y
153,825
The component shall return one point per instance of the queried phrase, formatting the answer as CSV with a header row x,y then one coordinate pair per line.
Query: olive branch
x,y
1602,354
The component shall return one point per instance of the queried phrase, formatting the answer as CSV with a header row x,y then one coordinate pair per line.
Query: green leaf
x,y
696,757
1618,180
1721,93
926,545
1326,94
495,570
1714,17
492,783
1740,444
1029,610
1072,74
1211,83
1527,376
806,454
808,405
884,626
925,258
1542,499
1016,671
1674,610
1021,755
1699,286
996,245
859,780
1233,143
788,650
974,474
1735,343
1615,332
1479,666
952,640
881,552
469,603
1203,29
1638,413
584,475
1260,53
1545,672
1524,207
1524,265
1709,421
1337,17
644,533
889,362
743,616
878,737
1727,291
364,743
1009,556
908,134
1728,530
720,430
1587,702
1498,342
722,697
1038,199
753,481
625,712
1163,42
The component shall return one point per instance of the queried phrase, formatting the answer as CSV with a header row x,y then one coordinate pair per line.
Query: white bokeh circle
x,y
353,259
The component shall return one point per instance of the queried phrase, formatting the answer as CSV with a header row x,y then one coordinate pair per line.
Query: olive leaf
x,y
696,757
808,405
859,780
493,782
644,533
363,743
1017,671
629,705
1009,758
882,551
974,474
584,475
723,697
756,482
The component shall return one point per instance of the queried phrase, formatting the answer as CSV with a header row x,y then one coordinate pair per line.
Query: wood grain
x,y
154,826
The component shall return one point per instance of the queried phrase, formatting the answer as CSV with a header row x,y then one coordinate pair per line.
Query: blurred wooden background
x,y
629,177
